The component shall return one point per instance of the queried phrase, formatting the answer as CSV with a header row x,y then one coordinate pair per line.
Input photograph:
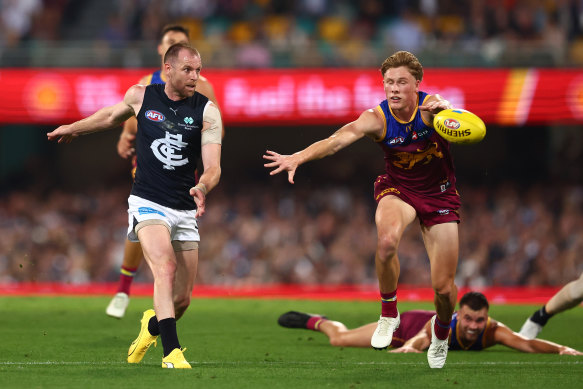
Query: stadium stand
x,y
522,227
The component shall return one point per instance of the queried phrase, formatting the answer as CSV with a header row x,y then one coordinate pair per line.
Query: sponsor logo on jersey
x,y
188,120
443,211
444,187
155,116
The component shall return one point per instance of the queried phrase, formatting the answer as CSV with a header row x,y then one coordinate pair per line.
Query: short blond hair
x,y
404,58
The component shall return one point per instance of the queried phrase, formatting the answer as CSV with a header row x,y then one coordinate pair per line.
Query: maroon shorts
x,y
431,209
411,323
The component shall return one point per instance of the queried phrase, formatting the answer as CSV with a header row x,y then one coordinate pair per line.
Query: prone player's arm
x,y
211,157
504,335
368,124
418,343
104,119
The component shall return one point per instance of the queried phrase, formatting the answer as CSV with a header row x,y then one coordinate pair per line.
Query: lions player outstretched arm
x,y
104,119
435,104
369,123
504,335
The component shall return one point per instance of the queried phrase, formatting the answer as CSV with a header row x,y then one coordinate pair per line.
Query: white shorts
x,y
181,224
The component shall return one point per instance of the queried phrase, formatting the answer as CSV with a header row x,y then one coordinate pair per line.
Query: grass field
x,y
69,342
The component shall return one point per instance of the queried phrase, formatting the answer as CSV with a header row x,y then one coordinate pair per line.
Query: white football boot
x,y
118,305
437,353
530,329
383,334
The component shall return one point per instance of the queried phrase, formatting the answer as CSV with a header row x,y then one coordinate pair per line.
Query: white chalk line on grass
x,y
291,363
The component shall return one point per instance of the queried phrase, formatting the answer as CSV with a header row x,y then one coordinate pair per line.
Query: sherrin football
x,y
459,126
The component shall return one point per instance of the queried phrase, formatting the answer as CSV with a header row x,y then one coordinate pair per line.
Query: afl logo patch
x,y
155,116
452,124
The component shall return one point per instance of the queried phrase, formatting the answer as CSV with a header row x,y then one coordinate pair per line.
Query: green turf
x,y
67,342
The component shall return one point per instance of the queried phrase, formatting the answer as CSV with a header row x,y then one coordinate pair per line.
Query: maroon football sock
x,y
441,329
389,304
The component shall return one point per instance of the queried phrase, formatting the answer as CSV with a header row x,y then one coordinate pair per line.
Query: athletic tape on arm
x,y
212,134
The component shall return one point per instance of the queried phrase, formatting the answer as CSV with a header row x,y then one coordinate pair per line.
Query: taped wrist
x,y
201,187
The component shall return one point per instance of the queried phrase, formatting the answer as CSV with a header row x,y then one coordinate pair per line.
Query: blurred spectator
x,y
334,33
17,16
508,236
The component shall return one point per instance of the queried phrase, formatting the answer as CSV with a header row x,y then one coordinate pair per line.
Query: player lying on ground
x,y
471,329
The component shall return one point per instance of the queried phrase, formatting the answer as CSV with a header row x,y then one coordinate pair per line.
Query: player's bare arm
x,y
211,157
368,124
418,343
104,119
504,335
205,88
433,105
127,138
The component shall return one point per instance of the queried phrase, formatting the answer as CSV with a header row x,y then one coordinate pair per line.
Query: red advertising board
x,y
302,96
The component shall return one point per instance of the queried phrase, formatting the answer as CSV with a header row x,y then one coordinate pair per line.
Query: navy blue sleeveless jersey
x,y
455,342
168,147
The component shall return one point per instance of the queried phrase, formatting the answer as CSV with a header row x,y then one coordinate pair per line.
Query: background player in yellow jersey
x,y
133,255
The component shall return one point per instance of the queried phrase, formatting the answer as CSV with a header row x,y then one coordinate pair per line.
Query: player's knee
x,y
444,286
387,247
337,341
181,303
576,289
165,269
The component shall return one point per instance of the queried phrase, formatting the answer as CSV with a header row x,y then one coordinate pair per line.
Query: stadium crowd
x,y
268,33
508,236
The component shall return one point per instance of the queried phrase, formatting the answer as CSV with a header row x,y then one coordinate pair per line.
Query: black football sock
x,y
541,316
153,327
168,335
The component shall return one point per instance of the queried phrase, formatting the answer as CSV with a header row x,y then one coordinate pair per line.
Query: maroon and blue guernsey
x,y
419,167
416,157
455,342
413,321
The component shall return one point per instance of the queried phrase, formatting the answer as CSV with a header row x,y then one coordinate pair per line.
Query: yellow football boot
x,y
175,360
144,340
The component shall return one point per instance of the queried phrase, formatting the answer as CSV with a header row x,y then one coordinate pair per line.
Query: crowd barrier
x,y
496,295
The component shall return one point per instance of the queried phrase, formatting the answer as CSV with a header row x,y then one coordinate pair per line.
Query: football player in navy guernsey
x,y
176,127
419,184
132,256
472,329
